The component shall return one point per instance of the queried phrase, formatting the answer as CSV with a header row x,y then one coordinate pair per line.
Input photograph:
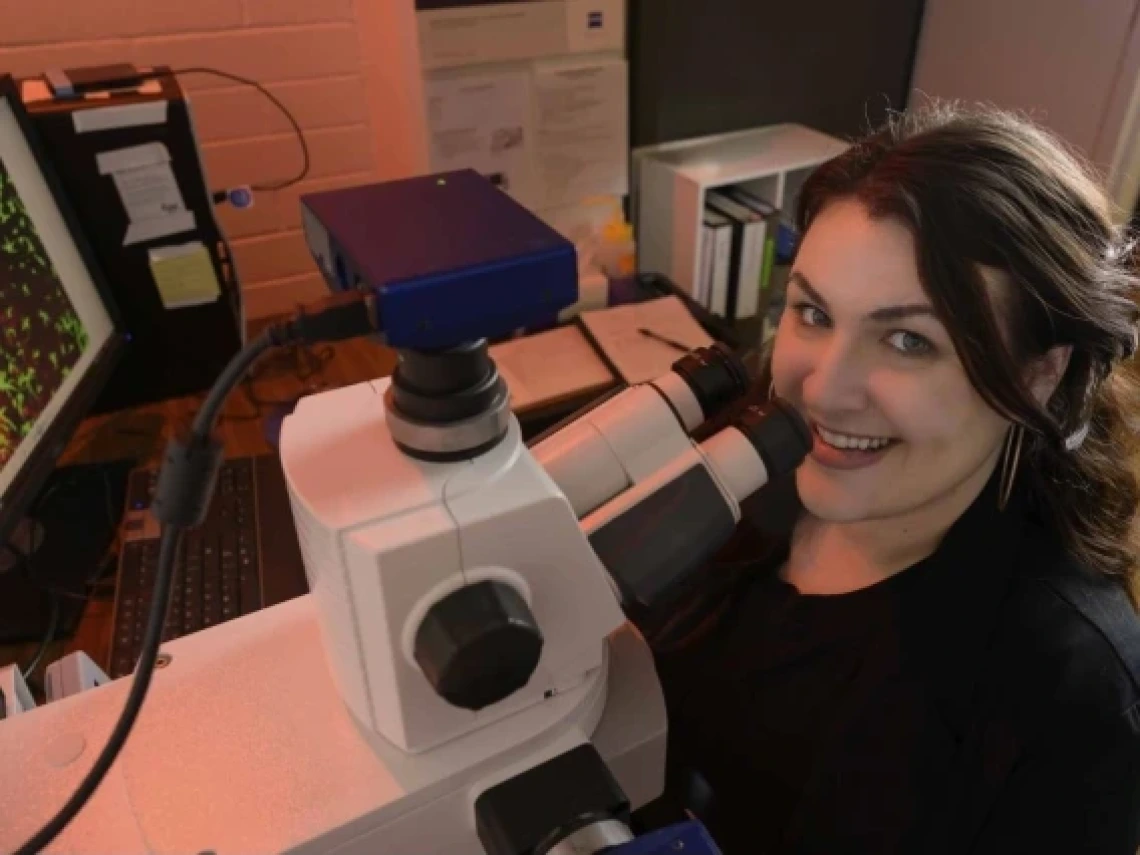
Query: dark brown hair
x,y
984,188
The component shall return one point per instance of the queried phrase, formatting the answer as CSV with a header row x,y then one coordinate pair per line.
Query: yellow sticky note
x,y
184,275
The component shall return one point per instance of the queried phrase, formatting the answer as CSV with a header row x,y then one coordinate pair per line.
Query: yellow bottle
x,y
616,256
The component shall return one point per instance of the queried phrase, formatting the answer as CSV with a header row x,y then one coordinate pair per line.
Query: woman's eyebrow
x,y
885,313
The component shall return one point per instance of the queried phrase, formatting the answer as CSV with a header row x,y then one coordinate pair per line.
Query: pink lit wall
x,y
347,69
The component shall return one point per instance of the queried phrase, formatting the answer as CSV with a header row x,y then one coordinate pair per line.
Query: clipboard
x,y
552,367
633,356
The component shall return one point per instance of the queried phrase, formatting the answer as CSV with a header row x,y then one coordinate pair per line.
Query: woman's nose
x,y
835,381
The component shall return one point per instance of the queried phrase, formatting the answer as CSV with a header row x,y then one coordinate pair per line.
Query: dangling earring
x,y
1013,439
772,389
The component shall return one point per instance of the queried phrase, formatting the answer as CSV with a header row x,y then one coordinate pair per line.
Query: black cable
x,y
27,568
167,551
49,637
186,483
237,78
308,366
26,559
206,418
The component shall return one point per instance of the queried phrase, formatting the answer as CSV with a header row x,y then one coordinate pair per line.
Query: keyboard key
x,y
212,607
129,574
250,586
216,574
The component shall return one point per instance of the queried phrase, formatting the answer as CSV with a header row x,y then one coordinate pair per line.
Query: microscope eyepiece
x,y
716,376
778,433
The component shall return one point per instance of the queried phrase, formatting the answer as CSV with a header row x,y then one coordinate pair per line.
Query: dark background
x,y
700,67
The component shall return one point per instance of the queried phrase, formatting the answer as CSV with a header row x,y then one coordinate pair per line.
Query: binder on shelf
x,y
768,266
774,270
711,223
704,271
787,239
719,229
748,233
746,197
670,183
771,214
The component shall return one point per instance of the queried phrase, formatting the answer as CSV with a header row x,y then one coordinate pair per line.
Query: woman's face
x,y
859,351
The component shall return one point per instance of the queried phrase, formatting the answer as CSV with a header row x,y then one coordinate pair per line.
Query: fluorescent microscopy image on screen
x,y
41,337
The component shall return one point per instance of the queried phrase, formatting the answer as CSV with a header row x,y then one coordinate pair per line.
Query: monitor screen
x,y
54,325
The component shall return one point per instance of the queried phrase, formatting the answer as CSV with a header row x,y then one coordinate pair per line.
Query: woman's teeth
x,y
845,441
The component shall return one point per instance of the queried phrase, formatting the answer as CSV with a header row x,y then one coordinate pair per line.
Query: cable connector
x,y
333,318
186,480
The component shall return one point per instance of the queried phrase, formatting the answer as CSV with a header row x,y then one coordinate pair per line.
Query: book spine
x,y
708,252
736,255
718,298
748,298
769,262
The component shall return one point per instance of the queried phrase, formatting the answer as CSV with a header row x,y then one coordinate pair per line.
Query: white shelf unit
x,y
671,181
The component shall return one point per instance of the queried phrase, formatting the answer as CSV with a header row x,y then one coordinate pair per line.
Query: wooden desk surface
x,y
141,434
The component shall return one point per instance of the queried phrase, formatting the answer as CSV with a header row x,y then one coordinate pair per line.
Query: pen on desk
x,y
658,337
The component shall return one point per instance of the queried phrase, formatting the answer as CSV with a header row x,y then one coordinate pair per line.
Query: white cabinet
x,y
671,181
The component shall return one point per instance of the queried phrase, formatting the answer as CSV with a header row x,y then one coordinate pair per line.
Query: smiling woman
x,y
1001,265
932,645
863,354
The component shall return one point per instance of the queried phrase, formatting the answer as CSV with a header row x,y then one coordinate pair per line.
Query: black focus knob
x,y
478,645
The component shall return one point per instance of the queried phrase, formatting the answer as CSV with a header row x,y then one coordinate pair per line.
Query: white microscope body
x,y
386,536
465,631
260,738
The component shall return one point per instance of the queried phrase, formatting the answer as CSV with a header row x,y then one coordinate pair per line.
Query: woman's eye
x,y
909,344
812,316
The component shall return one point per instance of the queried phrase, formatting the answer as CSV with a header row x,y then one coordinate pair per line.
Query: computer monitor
x,y
59,335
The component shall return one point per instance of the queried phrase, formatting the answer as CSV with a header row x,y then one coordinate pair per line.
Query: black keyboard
x,y
217,574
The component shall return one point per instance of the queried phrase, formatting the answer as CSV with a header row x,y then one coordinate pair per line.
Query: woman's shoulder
x,y
1070,636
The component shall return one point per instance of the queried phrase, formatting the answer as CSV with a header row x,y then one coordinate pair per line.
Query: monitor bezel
x,y
21,492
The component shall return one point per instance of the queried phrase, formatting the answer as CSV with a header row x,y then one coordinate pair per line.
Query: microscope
x,y
462,677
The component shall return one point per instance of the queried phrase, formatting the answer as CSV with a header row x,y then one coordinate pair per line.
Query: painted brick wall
x,y
346,69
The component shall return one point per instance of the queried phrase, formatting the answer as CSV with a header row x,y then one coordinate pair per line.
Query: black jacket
x,y
1020,677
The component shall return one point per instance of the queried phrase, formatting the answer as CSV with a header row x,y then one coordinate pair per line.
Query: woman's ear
x,y
1046,372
